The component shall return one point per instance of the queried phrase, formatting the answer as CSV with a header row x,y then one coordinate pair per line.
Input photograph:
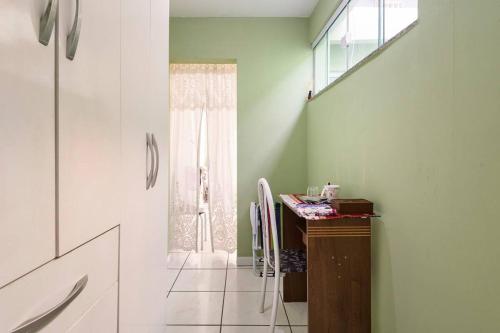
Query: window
x,y
337,47
363,29
398,14
320,66
357,28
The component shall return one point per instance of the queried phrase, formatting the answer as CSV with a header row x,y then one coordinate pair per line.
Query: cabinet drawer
x,y
102,316
48,286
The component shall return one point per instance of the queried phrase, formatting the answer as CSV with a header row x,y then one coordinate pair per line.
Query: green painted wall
x,y
274,75
417,130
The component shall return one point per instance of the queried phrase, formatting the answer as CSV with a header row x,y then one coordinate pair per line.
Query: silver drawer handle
x,y
157,153
36,323
74,34
47,22
149,149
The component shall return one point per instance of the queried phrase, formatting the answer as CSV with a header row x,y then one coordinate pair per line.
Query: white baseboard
x,y
244,261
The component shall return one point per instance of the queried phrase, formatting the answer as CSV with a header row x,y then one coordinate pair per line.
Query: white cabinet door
x,y
136,305
27,141
89,147
157,196
143,231
159,120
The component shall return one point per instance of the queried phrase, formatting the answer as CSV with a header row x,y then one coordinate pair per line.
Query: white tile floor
x,y
210,294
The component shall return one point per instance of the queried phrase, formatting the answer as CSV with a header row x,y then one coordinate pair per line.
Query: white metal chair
x,y
257,258
281,261
204,218
203,211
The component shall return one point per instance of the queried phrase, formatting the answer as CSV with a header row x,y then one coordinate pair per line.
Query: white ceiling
x,y
242,8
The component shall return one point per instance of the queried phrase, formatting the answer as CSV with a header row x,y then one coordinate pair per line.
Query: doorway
x,y
203,107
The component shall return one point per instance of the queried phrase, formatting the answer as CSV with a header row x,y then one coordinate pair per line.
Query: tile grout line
x,y
224,294
284,308
179,273
182,268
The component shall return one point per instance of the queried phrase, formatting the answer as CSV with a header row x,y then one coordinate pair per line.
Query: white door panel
x,y
136,304
144,227
157,197
27,140
89,123
159,120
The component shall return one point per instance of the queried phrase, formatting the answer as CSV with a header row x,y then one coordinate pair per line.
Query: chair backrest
x,y
268,215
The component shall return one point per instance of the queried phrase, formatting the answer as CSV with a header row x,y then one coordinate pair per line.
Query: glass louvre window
x,y
358,28
398,14
337,47
363,29
320,65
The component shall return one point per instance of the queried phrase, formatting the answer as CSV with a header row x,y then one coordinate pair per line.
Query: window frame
x,y
327,36
324,33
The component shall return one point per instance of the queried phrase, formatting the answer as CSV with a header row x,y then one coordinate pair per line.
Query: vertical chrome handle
x,y
47,22
74,34
157,153
38,322
149,150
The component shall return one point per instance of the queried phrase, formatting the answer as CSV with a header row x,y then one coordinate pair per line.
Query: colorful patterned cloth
x,y
291,261
320,211
308,211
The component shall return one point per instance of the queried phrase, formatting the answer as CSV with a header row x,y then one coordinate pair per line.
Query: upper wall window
x,y
357,28
398,14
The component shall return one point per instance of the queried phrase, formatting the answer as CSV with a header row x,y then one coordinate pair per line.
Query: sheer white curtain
x,y
194,88
187,100
221,133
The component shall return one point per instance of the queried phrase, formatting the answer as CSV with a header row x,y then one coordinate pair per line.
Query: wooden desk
x,y
337,285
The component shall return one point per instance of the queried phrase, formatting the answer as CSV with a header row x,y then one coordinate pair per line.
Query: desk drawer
x,y
49,286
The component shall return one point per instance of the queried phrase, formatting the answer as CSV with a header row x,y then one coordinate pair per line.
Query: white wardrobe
x,y
83,193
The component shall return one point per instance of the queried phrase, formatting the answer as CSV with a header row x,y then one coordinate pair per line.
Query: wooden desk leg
x,y
339,282
294,284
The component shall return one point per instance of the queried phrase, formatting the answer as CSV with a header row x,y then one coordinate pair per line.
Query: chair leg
x,y
211,231
276,297
263,287
202,230
197,226
205,225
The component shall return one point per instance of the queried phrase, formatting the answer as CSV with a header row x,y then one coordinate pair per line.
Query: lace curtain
x,y
195,88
